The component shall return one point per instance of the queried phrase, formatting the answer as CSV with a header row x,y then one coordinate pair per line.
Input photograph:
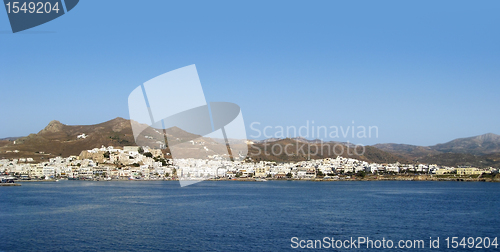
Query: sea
x,y
249,216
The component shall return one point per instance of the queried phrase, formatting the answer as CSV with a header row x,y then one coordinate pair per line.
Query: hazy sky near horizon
x,y
422,72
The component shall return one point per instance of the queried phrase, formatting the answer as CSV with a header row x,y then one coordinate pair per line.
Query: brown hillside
x,y
58,139
297,150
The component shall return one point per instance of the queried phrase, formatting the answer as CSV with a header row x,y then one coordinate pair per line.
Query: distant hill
x,y
480,151
299,149
406,150
477,145
58,139
460,159
9,138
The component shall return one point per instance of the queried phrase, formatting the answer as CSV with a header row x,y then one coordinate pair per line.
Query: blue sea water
x,y
240,216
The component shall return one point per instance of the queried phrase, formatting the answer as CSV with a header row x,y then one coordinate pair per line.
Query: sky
x,y
421,72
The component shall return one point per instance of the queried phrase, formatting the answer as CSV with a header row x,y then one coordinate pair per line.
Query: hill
x,y
58,139
479,151
406,150
477,145
298,149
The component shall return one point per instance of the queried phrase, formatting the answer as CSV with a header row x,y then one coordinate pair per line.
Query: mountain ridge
x,y
478,145
481,150
58,139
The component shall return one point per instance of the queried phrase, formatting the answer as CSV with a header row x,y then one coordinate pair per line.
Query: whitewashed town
x,y
143,163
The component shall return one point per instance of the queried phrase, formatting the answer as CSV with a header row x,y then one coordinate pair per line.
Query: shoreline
x,y
493,179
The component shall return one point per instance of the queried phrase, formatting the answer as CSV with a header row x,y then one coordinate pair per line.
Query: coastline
x,y
495,178
382,178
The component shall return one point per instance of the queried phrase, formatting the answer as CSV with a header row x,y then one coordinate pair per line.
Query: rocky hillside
x,y
478,145
480,151
58,139
288,150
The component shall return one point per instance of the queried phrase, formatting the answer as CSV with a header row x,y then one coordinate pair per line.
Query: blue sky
x,y
423,72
